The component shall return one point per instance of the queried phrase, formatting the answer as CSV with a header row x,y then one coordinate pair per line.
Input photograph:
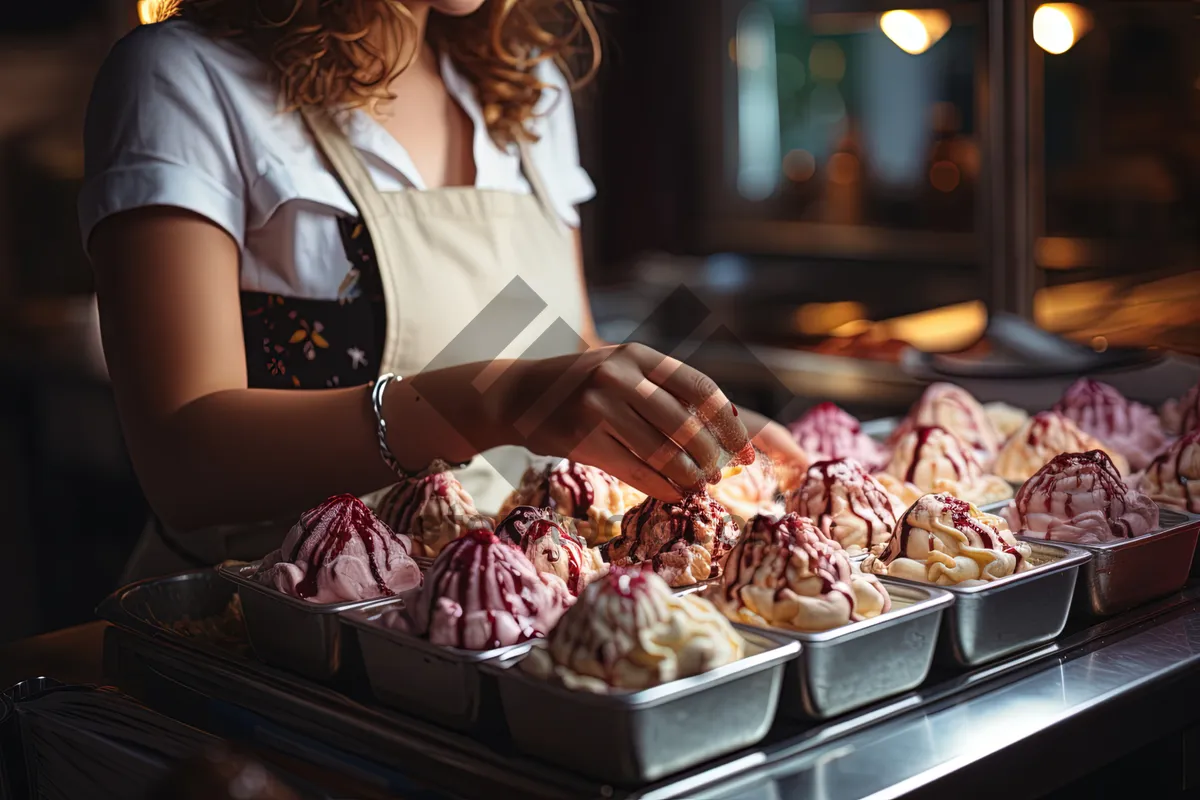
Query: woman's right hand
x,y
643,417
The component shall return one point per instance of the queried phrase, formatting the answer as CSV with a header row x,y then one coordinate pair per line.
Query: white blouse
x,y
180,119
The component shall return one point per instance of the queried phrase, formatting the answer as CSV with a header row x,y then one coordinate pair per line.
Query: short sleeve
x,y
556,153
157,134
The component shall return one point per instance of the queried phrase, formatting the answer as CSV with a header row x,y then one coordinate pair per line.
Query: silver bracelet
x,y
385,452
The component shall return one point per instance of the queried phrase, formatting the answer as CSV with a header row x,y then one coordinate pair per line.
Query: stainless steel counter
x,y
1056,722
1016,729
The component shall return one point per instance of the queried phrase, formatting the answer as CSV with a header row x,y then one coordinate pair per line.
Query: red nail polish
x,y
734,410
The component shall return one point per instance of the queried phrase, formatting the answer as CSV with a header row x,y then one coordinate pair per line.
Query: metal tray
x,y
996,507
1129,572
288,632
180,675
858,664
630,738
880,429
695,587
408,673
992,620
31,688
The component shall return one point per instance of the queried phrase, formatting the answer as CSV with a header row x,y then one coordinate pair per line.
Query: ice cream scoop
x,y
482,593
629,632
1044,436
1130,428
848,504
1182,416
341,552
784,573
1006,419
550,543
434,510
952,408
683,542
948,541
595,499
932,459
1080,497
747,489
1173,477
827,433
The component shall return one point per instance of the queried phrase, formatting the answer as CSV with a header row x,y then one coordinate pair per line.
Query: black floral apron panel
x,y
298,343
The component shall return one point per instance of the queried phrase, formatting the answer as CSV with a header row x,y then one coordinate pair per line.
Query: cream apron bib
x,y
444,255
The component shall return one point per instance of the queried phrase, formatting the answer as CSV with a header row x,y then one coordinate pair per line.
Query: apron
x,y
430,286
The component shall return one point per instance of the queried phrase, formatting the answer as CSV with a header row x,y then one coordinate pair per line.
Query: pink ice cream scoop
x,y
827,433
1182,416
1130,428
784,573
1173,477
951,407
341,552
848,504
482,593
1080,497
434,510
550,543
683,542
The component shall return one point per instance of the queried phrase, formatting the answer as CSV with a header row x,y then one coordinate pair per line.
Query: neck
x,y
419,9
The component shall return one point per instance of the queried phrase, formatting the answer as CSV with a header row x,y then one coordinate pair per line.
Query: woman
x,y
287,198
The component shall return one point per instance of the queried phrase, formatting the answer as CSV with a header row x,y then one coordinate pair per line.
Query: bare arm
x,y
208,450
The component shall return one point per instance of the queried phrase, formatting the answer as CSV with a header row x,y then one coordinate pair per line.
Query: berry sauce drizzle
x,y
337,521
467,563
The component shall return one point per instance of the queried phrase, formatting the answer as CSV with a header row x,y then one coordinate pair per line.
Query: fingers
x,y
602,450
790,460
777,442
651,446
695,390
662,410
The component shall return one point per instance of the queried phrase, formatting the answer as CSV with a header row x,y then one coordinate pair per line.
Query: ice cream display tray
x,y
992,620
1129,572
179,645
695,588
408,673
840,670
288,632
996,507
631,738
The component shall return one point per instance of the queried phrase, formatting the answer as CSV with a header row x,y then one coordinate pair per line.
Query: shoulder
x,y
178,65
169,118
176,51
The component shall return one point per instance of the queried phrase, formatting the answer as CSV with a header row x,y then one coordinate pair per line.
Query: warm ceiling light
x,y
915,31
1058,26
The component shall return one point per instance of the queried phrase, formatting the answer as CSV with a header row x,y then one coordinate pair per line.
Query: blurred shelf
x,y
816,240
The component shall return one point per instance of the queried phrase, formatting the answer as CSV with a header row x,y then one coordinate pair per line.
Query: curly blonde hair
x,y
324,55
